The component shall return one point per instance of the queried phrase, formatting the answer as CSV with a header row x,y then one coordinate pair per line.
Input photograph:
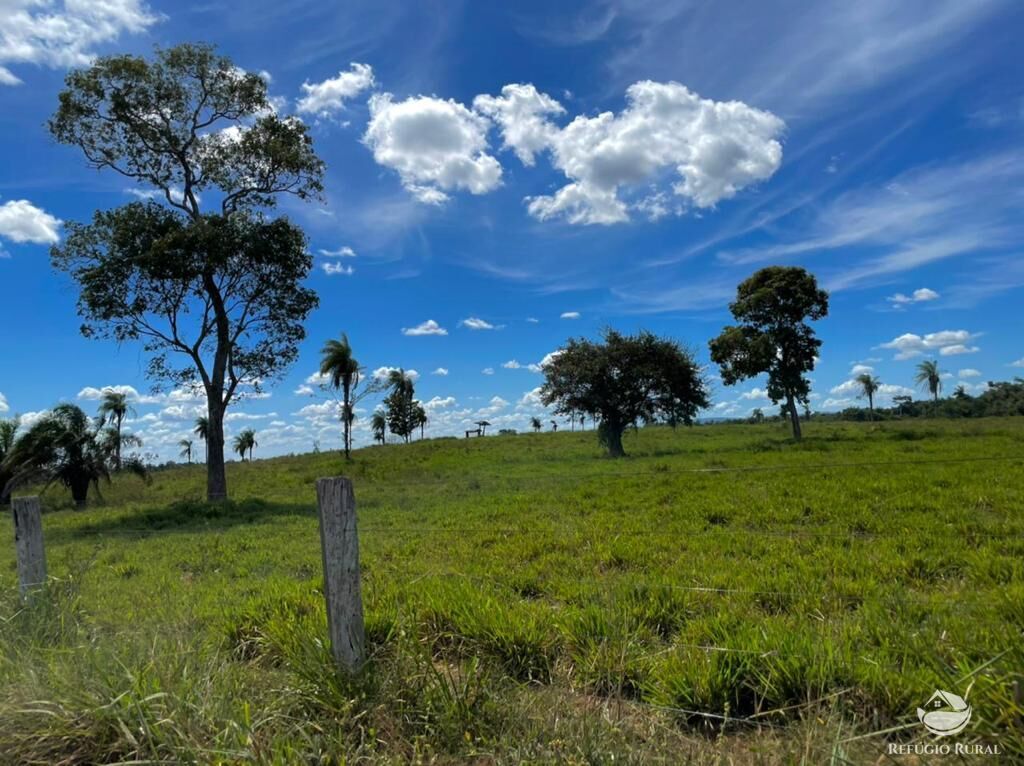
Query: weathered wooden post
x,y
28,543
339,542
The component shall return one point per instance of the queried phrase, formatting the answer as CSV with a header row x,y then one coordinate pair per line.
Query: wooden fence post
x,y
339,542
28,543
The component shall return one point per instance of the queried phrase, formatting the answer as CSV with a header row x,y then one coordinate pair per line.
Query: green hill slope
x,y
529,600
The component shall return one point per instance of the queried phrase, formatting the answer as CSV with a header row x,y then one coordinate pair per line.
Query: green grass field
x,y
530,601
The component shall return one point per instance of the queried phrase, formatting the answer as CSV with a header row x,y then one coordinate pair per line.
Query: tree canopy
x,y
773,337
623,380
215,295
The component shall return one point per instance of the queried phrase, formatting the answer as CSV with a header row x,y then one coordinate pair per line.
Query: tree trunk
x,y
613,440
871,405
117,446
80,493
794,416
346,416
216,478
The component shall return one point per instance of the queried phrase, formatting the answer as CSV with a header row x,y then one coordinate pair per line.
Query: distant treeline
x,y
999,400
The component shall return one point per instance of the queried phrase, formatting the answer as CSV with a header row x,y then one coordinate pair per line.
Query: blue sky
x,y
501,176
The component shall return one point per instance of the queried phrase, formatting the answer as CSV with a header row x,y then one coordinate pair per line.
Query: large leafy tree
x,y
114,408
341,369
623,380
215,293
65,446
773,307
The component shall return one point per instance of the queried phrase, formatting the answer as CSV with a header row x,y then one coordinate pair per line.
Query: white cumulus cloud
x,y
342,252
434,145
521,111
21,221
945,342
475,323
328,97
969,373
920,295
430,327
4,406
716,148
64,34
382,373
332,268
442,371
570,315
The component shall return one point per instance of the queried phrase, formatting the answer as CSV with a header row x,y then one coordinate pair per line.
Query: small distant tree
x,y
757,415
622,380
960,393
202,430
420,416
245,442
929,378
113,409
554,425
535,424
869,387
902,402
215,293
379,424
773,337
400,404
338,363
186,450
65,447
240,446
8,434
482,425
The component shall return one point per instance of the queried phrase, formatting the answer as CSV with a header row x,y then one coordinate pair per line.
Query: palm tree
x,y
202,430
186,450
113,409
400,404
929,377
535,424
869,386
244,442
8,432
420,416
249,437
379,424
240,445
66,447
342,370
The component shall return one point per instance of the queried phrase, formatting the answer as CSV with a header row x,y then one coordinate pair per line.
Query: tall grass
x,y
527,600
